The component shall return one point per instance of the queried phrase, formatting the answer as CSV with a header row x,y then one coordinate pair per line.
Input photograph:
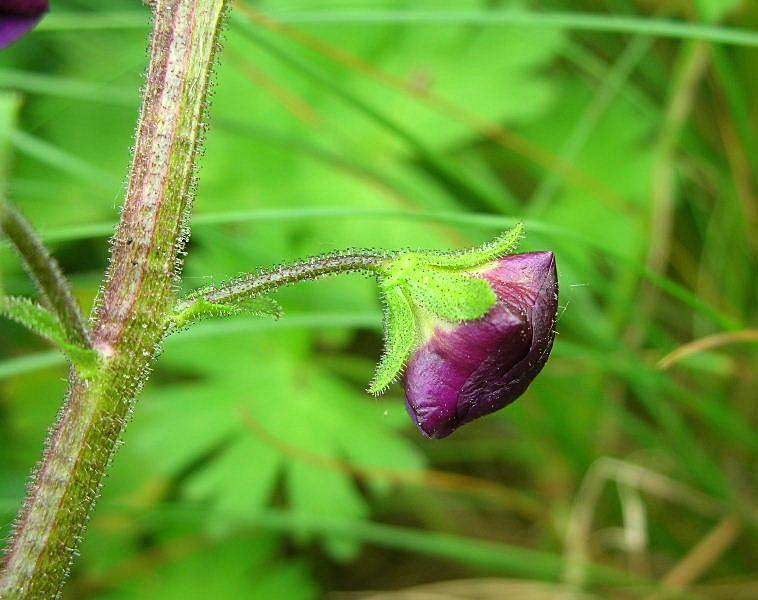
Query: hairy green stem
x,y
45,273
255,284
136,297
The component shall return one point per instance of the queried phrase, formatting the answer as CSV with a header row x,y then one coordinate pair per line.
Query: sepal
x,y
399,338
449,295
471,258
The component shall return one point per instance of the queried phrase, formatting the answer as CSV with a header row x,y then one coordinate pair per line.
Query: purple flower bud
x,y
470,369
17,17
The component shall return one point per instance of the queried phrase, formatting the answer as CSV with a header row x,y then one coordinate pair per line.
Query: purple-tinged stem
x,y
136,298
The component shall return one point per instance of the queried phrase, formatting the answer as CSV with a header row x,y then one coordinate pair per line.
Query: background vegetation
x,y
256,466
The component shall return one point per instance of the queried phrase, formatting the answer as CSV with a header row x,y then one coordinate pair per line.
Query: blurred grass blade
x,y
94,21
611,86
707,343
64,161
9,105
575,21
65,87
479,554
20,365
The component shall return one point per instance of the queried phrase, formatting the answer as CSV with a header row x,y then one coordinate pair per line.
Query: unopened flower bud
x,y
472,368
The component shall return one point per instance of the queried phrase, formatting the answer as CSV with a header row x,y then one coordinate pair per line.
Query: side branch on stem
x,y
45,272
256,284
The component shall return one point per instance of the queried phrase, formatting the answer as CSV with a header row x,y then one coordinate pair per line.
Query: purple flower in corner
x,y
470,369
17,17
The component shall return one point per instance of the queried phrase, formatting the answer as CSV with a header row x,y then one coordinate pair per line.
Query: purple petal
x,y
12,28
478,367
24,7
441,368
17,17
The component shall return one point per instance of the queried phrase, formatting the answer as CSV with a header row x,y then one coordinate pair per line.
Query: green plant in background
x,y
136,307
256,465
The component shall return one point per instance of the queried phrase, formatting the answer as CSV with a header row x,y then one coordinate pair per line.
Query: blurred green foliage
x,y
256,466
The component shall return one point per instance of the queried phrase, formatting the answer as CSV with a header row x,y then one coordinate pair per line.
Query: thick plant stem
x,y
137,295
45,272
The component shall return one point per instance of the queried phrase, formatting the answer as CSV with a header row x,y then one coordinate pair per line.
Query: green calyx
x,y
422,288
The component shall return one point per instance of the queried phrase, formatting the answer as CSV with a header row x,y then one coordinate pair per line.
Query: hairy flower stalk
x,y
255,284
137,296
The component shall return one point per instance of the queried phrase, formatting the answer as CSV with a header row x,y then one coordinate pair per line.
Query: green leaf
x,y
449,295
313,491
42,322
248,487
400,336
268,414
200,309
504,244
